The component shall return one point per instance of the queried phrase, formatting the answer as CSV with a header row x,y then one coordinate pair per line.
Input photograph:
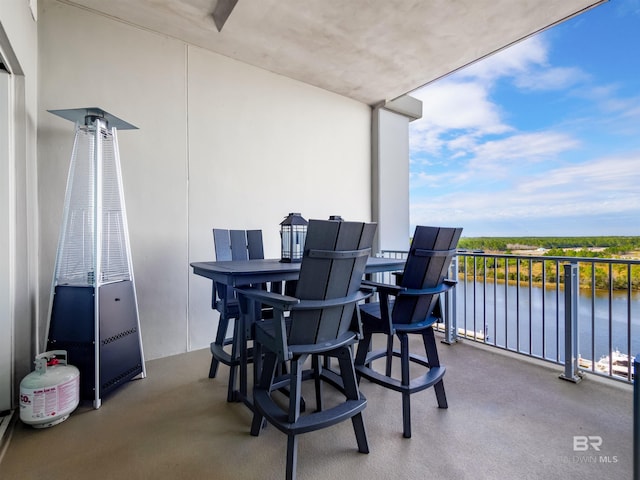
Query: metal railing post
x,y
636,420
571,290
450,311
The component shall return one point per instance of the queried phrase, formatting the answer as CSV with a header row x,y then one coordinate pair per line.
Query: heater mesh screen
x,y
115,265
77,252
76,255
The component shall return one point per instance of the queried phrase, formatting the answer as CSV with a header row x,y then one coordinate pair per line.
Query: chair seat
x,y
265,332
266,329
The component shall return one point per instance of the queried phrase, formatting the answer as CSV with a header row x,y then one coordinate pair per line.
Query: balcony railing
x,y
582,313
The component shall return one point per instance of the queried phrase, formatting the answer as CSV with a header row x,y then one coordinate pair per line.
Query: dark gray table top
x,y
245,272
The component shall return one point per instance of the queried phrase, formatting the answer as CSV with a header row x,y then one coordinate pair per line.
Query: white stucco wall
x,y
18,39
220,144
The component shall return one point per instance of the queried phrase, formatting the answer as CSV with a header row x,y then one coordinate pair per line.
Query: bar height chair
x,y
323,321
410,308
230,245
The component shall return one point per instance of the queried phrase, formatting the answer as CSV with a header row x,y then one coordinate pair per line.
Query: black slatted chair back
x,y
233,245
332,267
230,245
322,321
237,244
430,255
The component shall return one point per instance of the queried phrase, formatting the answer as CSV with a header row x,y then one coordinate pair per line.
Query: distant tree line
x,y
598,276
612,245
522,270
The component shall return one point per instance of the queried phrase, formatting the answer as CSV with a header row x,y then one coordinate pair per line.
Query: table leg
x,y
249,312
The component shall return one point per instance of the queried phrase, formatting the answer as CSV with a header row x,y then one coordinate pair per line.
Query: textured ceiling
x,y
368,50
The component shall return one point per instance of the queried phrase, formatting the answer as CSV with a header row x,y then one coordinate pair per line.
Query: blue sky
x,y
540,139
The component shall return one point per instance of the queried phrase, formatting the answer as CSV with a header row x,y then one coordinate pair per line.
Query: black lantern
x,y
293,233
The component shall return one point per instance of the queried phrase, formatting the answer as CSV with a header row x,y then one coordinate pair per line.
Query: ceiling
x,y
368,50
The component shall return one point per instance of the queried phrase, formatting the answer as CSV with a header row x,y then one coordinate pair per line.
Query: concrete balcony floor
x,y
508,418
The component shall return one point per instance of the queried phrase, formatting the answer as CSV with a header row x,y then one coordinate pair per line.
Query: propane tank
x,y
50,393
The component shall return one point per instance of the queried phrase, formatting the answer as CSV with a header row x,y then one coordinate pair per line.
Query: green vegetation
x,y
600,275
615,245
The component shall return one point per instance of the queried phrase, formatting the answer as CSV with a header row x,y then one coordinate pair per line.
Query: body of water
x,y
531,320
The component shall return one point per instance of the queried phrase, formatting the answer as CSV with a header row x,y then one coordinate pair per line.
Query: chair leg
x,y
257,362
231,397
213,368
221,335
389,358
266,379
233,369
295,388
405,379
348,373
295,394
361,433
317,372
350,384
428,337
292,456
363,349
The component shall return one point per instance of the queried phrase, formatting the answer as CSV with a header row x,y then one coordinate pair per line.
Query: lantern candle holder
x,y
293,233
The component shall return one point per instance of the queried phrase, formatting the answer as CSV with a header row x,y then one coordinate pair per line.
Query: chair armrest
x,y
368,288
446,285
275,300
384,287
334,302
280,304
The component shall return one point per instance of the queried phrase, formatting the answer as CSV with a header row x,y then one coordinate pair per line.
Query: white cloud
x,y
455,105
628,7
528,64
447,106
516,60
497,175
605,177
462,103
524,147
493,160
605,186
551,79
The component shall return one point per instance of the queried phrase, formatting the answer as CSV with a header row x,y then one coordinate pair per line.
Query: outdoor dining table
x,y
237,273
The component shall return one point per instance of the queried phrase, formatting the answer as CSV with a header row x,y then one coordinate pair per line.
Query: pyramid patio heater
x,y
94,310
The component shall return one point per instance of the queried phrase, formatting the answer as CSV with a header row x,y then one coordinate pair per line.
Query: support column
x,y
571,290
636,420
390,171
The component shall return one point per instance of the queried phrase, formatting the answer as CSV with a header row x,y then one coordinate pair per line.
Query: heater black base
x,y
72,328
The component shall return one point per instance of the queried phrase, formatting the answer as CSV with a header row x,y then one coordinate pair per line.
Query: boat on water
x,y
479,335
618,361
470,334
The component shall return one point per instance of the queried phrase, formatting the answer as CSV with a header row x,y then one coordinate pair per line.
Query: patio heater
x,y
94,309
